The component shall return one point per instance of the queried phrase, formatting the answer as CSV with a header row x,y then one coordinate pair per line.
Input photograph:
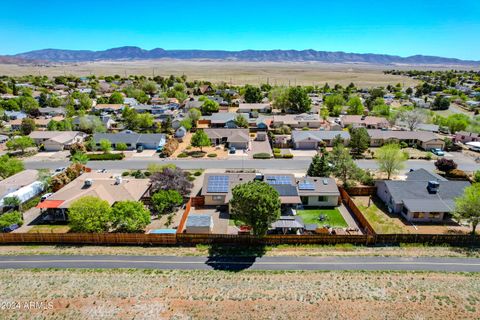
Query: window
x,y
419,215
434,215
217,198
322,198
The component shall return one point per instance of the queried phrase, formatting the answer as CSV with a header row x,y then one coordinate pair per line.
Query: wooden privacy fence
x,y
88,238
356,212
362,191
183,220
193,239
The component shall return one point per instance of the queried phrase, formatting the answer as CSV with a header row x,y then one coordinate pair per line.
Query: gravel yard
x,y
128,294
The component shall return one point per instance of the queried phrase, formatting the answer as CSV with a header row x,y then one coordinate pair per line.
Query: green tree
x,y
319,167
105,145
252,94
440,103
186,123
241,121
91,124
343,166
298,100
164,201
257,204
359,141
12,202
466,206
334,100
194,114
278,96
130,216
116,98
20,143
9,166
144,121
324,113
390,159
150,87
90,214
209,107
79,157
380,108
27,126
28,104
200,139
355,106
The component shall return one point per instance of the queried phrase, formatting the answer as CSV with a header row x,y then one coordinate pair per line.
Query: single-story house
x,y
303,120
49,111
310,140
225,119
22,185
109,107
199,223
369,122
107,121
15,115
423,197
133,140
424,139
192,103
238,138
318,191
254,107
464,137
101,185
57,140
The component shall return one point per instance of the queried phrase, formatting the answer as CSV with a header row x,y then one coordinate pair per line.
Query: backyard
x,y
376,213
331,217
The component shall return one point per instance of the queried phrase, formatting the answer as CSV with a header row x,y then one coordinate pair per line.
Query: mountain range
x,y
136,53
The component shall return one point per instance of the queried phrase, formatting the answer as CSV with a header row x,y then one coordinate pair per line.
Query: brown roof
x,y
109,106
104,187
423,136
366,120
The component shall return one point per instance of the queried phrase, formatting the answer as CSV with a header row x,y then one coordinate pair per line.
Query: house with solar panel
x,y
217,189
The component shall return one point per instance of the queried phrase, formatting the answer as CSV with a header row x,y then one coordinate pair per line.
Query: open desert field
x,y
129,294
232,72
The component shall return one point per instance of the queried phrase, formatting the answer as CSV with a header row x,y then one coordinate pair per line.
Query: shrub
x,y
277,155
403,145
428,156
189,148
261,155
212,155
287,156
276,150
197,173
305,129
125,173
476,176
121,146
198,154
7,219
445,165
457,174
182,155
147,173
170,147
138,174
106,156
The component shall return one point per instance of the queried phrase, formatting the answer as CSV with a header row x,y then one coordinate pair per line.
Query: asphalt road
x,y
242,263
276,164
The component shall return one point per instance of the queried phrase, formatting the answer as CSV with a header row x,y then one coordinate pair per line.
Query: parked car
x,y
232,150
45,196
437,151
140,149
61,169
10,228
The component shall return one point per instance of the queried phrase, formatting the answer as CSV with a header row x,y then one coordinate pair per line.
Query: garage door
x,y
307,145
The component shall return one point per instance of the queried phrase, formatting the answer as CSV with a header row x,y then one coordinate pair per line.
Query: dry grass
x,y
281,250
137,294
236,73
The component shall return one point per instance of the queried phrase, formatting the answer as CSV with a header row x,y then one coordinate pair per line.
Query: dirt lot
x,y
182,147
130,294
233,72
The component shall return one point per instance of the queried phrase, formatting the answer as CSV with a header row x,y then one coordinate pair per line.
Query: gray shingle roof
x,y
424,175
199,220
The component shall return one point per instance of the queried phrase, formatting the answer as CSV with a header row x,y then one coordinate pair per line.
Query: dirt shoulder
x,y
141,294
282,250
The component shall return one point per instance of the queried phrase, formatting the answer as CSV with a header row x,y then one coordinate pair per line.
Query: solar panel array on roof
x,y
306,185
279,180
218,184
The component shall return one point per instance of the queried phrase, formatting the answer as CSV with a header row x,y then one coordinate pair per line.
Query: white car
x,y
45,196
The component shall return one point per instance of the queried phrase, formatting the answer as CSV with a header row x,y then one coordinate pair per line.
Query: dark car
x,y
10,228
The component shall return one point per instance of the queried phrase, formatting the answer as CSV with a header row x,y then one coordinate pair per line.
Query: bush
x,y
476,176
287,156
182,155
428,156
197,173
7,219
305,129
138,174
169,148
198,154
277,155
121,146
125,173
261,155
147,173
445,165
403,145
106,156
276,150
457,174
212,155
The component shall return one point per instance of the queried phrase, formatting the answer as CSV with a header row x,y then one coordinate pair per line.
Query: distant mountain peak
x,y
137,53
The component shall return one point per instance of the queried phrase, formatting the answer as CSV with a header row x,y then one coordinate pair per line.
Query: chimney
x,y
433,187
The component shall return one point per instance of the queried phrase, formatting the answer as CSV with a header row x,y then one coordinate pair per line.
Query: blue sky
x,y
443,28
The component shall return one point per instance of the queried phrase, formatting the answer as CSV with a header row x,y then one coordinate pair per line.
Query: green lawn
x,y
380,220
334,217
49,228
